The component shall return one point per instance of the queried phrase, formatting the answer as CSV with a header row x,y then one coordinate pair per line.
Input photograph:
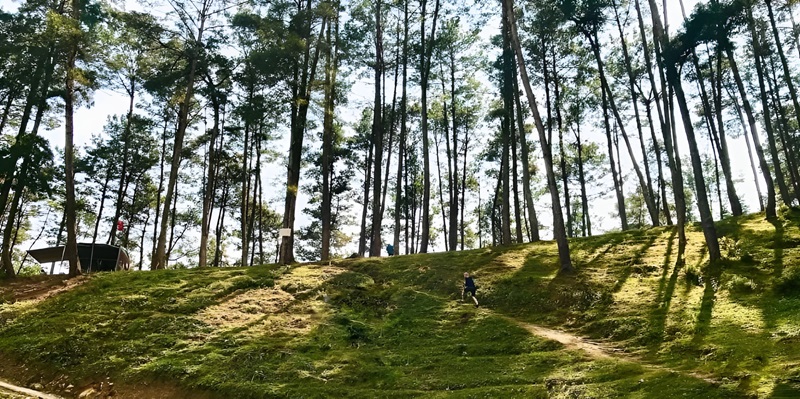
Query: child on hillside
x,y
469,286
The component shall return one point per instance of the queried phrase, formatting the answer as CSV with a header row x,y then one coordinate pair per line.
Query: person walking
x,y
469,286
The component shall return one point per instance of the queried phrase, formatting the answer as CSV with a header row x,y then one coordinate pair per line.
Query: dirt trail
x,y
594,349
599,350
14,391
39,288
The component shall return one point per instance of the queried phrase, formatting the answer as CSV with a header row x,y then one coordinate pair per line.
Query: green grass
x,y
394,327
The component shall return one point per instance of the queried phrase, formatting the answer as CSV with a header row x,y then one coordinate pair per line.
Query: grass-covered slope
x,y
394,327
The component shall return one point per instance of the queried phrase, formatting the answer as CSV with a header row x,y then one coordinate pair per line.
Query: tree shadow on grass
x,y
785,390
777,246
666,288
711,282
635,260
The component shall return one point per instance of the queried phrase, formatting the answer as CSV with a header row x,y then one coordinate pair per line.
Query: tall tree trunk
x,y
587,221
208,191
377,139
514,176
773,149
123,178
398,203
749,148
163,155
751,122
141,240
787,73
464,186
559,232
327,139
648,198
30,100
427,48
660,40
614,175
362,240
71,250
506,135
784,134
298,127
733,197
8,228
245,190
706,219
454,182
646,184
526,168
160,259
654,90
441,195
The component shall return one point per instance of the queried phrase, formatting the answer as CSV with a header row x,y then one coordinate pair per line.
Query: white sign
x,y
284,232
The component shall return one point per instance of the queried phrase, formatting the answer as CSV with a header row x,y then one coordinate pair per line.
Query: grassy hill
x,y
395,327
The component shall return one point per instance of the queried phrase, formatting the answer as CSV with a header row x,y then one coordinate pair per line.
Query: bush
x,y
742,285
789,283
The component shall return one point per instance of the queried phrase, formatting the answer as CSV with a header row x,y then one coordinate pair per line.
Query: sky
x,y
90,119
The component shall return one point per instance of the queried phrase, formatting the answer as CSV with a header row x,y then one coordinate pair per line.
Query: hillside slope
x,y
395,327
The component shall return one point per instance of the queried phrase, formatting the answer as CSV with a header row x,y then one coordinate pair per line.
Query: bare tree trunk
x,y
514,177
507,91
209,189
526,168
751,121
660,40
706,219
441,196
611,104
783,128
587,222
757,51
454,182
749,148
787,73
558,220
71,209
377,139
646,184
427,48
160,259
362,240
733,198
654,91
398,204
163,156
302,94
464,186
112,237
327,141
614,175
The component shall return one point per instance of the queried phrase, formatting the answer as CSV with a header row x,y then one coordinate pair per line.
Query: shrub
x,y
741,285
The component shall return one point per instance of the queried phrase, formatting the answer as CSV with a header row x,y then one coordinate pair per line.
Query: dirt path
x,y
12,391
599,350
38,288
594,349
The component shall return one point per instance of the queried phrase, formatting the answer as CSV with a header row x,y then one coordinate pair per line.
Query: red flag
x,y
120,225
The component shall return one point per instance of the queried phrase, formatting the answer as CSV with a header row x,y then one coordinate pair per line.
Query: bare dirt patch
x,y
246,308
37,288
273,310
600,350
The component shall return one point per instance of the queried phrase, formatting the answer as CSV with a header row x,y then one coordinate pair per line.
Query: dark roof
x,y
102,257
